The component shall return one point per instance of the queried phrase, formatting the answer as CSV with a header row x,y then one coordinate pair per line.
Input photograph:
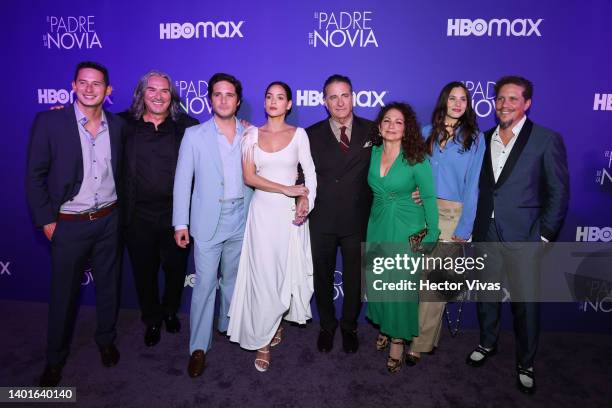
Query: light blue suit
x,y
217,226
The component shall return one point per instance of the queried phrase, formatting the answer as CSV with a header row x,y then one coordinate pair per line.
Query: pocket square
x,y
367,144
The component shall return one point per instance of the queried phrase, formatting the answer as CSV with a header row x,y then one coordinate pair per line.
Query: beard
x,y
505,125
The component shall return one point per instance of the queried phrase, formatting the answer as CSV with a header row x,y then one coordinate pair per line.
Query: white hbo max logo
x,y
593,234
52,96
363,99
496,27
55,96
602,102
4,268
204,29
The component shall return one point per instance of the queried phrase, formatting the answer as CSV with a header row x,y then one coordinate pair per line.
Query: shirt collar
x,y
168,121
82,119
515,130
337,125
239,127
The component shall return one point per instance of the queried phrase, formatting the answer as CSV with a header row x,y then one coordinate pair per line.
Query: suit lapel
x,y
330,138
359,136
517,149
74,139
358,133
212,143
487,167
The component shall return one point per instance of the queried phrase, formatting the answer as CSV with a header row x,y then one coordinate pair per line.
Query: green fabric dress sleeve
x,y
425,182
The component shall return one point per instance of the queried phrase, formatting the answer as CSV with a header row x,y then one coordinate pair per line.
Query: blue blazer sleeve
x,y
183,178
557,188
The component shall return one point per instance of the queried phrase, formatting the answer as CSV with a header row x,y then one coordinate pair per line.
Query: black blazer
x,y
343,201
531,196
129,179
55,161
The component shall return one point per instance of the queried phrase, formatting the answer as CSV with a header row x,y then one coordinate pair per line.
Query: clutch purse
x,y
416,241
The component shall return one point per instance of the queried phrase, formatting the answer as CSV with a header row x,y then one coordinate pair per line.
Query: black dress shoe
x,y
173,324
486,354
152,335
524,387
325,342
51,376
350,342
109,355
195,368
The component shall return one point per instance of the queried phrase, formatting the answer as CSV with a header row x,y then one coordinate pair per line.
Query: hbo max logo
x,y
204,29
593,234
364,99
53,96
498,27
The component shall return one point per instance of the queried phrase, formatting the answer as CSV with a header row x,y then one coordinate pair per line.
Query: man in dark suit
x,y
341,148
154,128
523,197
73,169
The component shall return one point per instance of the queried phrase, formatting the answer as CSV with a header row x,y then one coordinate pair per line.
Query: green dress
x,y
393,218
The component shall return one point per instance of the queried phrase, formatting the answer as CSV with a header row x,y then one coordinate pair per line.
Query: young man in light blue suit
x,y
210,158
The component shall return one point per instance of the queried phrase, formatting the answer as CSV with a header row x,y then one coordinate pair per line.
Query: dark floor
x,y
573,370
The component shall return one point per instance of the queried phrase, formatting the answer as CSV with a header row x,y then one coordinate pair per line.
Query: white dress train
x,y
275,271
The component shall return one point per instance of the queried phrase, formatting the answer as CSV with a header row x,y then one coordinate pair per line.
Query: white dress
x,y
274,277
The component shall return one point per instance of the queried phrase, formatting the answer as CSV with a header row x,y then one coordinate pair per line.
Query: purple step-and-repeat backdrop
x,y
392,50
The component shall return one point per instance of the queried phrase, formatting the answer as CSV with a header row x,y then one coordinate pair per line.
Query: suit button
x,y
221,183
494,194
220,200
337,181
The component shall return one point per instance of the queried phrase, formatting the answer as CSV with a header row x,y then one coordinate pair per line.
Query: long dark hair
x,y
413,146
467,122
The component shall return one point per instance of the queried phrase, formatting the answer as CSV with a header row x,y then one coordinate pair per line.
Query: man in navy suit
x,y
523,197
72,173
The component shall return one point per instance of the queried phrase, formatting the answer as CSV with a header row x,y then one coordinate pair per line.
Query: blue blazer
x,y
531,196
55,161
199,156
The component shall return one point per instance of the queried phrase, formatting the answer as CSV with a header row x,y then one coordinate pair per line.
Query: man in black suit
x,y
523,197
341,148
73,169
154,128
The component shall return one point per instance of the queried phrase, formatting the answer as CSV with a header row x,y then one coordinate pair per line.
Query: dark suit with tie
x,y
339,217
54,176
529,202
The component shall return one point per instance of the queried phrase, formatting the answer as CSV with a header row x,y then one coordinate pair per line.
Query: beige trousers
x,y
430,313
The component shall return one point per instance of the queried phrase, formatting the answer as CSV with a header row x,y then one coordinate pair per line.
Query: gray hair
x,y
138,107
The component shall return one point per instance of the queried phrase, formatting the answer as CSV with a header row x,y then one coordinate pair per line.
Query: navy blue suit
x,y
54,176
529,200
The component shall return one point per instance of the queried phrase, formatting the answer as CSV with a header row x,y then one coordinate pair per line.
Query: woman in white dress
x,y
275,273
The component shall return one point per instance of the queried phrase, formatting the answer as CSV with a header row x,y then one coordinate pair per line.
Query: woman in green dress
x,y
398,167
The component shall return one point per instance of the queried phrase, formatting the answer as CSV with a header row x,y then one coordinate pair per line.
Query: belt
x,y
89,216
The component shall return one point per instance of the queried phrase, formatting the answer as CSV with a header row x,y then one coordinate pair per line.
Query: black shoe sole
x,y
523,389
